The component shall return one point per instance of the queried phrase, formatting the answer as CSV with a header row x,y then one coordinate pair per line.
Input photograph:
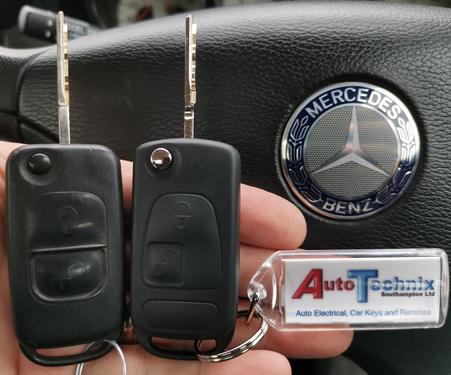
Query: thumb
x,y
139,362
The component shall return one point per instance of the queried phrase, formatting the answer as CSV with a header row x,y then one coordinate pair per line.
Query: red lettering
x,y
329,285
339,284
349,285
315,276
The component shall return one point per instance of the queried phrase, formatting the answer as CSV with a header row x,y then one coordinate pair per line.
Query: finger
x,y
5,149
142,363
8,343
270,221
251,258
313,344
127,185
306,344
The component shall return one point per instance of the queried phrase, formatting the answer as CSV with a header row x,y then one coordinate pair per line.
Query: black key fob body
x,y
185,243
65,241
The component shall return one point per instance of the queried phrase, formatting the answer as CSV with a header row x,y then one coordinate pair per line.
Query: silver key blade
x,y
62,62
190,76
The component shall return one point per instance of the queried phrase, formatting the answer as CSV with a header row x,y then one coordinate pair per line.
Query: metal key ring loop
x,y
80,366
237,350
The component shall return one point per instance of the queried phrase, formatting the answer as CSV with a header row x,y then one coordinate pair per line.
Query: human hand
x,y
268,223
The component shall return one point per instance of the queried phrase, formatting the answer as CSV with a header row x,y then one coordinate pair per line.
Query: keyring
x,y
242,348
80,366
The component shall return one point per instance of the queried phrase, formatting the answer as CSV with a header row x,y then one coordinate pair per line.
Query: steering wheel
x,y
256,65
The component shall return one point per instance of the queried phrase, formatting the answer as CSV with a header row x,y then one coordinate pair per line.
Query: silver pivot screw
x,y
161,159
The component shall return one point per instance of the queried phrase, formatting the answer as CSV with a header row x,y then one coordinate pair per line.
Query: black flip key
x,y
185,239
65,239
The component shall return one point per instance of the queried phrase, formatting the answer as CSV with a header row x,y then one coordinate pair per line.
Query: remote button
x,y
68,275
173,315
165,264
66,220
39,163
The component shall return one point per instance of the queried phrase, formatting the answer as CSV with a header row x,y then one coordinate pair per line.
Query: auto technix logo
x,y
350,150
362,281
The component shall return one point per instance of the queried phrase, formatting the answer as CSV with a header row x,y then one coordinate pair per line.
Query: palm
x,y
267,222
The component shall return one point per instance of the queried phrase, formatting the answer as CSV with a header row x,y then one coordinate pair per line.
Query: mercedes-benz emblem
x,y
350,150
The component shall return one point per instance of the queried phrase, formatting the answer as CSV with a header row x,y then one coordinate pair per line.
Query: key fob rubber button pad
x,y
67,239
182,234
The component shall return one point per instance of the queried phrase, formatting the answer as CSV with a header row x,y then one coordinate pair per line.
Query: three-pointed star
x,y
351,151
